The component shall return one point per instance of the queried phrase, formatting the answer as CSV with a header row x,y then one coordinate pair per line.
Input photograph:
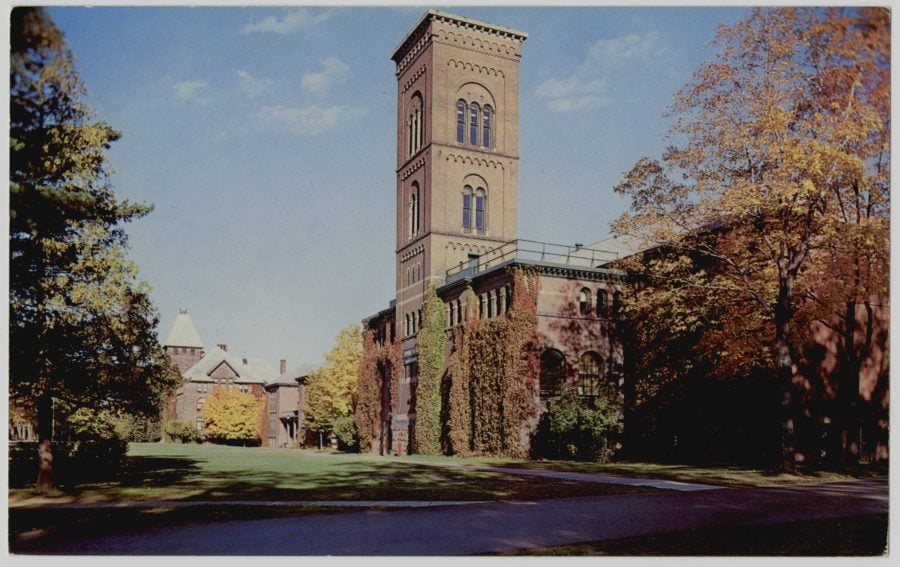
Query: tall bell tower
x,y
457,151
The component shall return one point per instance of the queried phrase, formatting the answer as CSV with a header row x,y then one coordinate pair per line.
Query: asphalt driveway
x,y
494,526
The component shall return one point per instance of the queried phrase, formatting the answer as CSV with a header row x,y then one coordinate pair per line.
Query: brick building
x,y
203,371
286,396
457,217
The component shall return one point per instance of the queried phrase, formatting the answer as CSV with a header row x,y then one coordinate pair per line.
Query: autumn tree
x,y
233,417
432,346
331,390
774,139
82,326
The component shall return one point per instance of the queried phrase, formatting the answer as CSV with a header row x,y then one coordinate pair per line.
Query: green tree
x,y
432,347
773,139
332,390
230,416
82,327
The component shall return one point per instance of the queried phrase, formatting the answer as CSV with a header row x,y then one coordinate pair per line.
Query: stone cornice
x,y
415,42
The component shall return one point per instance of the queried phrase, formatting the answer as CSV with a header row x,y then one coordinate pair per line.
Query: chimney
x,y
223,346
283,366
244,360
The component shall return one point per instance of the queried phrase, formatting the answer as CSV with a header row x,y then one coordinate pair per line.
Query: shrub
x,y
233,418
182,431
577,428
345,429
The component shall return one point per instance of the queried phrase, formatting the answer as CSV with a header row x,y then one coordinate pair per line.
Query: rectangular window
x,y
467,212
479,214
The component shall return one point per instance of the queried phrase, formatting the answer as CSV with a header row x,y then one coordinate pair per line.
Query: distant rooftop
x,y
183,333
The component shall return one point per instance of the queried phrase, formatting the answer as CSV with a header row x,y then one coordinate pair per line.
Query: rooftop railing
x,y
532,252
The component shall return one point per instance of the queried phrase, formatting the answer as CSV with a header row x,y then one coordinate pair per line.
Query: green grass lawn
x,y
865,535
213,472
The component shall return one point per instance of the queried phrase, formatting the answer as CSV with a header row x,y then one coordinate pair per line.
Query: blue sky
x,y
265,139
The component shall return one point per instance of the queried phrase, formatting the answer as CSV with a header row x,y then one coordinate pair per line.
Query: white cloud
x,y
253,86
579,103
590,83
621,49
309,120
574,94
192,91
293,21
335,71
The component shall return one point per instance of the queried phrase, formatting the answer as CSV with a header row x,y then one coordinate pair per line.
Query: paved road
x,y
496,526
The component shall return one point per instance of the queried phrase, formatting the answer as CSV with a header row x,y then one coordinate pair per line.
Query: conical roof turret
x,y
183,333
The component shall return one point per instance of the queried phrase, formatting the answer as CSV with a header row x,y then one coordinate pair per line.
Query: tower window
x,y
460,121
474,112
479,211
414,210
467,208
486,124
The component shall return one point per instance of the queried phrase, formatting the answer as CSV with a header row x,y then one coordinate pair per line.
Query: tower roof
x,y
183,333
432,15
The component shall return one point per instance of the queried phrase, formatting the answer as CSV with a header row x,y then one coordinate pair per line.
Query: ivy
x,y
368,388
378,363
493,375
432,346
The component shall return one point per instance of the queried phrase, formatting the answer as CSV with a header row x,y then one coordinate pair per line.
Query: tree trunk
x,y
848,388
45,444
784,373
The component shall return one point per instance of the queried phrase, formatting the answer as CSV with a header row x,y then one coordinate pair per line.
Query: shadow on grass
x,y
153,478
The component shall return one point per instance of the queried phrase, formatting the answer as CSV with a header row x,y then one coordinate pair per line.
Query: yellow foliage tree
x,y
332,389
233,417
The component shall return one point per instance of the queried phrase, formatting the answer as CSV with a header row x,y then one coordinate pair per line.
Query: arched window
x,y
487,123
414,210
460,121
479,211
474,112
415,124
590,368
460,314
601,303
552,373
467,208
584,302
616,303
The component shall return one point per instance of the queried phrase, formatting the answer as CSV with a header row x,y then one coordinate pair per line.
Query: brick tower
x,y
457,160
183,345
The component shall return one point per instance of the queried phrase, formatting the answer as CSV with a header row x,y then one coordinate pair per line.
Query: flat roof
x,y
437,14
